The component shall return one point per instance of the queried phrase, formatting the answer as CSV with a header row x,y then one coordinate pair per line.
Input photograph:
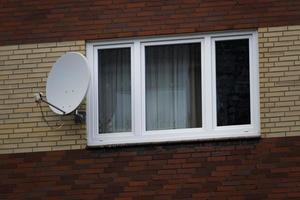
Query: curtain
x,y
114,90
173,86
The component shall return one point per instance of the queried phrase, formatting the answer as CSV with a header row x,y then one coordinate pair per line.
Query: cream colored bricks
x,y
23,71
279,52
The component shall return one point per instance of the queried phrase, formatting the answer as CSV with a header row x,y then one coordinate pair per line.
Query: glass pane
x,y
114,90
233,86
173,86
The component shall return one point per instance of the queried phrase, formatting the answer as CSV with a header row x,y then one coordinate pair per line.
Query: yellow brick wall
x,y
279,58
23,72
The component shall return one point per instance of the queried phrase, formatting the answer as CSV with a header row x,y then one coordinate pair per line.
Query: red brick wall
x,y
34,21
249,169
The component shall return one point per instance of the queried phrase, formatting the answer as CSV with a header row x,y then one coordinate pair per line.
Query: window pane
x,y
114,90
173,86
233,86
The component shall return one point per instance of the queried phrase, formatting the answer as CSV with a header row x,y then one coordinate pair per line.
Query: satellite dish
x,y
67,83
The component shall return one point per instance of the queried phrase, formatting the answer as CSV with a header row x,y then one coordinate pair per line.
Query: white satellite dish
x,y
67,83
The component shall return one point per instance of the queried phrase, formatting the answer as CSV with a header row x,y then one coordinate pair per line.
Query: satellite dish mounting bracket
x,y
79,117
40,98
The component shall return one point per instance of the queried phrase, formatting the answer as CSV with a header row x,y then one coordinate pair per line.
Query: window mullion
x,y
142,84
207,86
137,89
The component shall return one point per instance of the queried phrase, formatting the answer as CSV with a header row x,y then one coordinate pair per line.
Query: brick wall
x,y
34,21
24,68
236,170
23,72
280,80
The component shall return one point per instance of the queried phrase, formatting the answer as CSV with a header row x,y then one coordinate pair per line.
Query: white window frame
x,y
209,129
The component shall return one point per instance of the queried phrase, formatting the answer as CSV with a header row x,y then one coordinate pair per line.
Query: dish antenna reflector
x,y
67,83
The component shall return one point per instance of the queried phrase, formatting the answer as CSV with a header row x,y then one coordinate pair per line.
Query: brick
x,y
285,58
66,142
6,151
292,32
60,49
292,93
69,43
80,43
26,66
26,145
71,137
37,55
22,150
291,53
295,27
288,38
278,69
284,43
35,134
60,148
285,124
46,45
32,61
52,59
36,139
12,141
17,57
272,34
290,98
55,54
13,62
23,130
292,113
46,144
8,146
21,51
39,149
292,133
262,30
272,135
285,103
18,135
294,47
280,109
284,63
295,128
28,46
9,47
51,138
278,28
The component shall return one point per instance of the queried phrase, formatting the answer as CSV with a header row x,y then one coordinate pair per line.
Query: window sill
x,y
168,138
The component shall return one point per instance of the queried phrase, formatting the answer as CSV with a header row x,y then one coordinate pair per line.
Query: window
x,y
173,89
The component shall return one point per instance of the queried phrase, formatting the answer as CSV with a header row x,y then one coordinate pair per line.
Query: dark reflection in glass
x,y
233,85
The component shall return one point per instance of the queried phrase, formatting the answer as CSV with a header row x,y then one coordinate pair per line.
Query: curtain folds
x,y
173,86
114,90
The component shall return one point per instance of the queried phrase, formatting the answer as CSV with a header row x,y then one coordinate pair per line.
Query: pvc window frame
x,y
209,129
